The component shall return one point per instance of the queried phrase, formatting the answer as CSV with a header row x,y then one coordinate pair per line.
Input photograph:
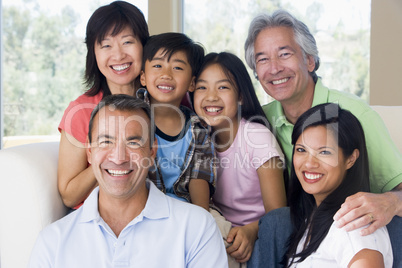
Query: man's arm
x,y
366,208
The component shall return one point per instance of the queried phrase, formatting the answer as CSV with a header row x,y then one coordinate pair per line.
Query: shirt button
x,y
115,244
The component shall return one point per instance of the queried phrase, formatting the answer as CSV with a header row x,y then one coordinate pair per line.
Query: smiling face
x,y
120,152
119,59
281,67
216,98
319,163
168,79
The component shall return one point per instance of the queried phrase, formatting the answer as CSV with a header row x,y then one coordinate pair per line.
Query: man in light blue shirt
x,y
127,221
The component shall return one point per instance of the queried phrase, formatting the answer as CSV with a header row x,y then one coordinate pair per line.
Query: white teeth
x,y
312,176
114,172
277,82
120,67
165,88
212,109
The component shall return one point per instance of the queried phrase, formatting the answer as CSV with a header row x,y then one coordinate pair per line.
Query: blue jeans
x,y
395,234
275,228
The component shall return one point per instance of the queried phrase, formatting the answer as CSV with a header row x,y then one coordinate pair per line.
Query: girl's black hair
x,y
110,18
237,73
306,216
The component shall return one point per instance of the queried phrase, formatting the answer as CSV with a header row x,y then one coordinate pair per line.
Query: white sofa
x,y
29,199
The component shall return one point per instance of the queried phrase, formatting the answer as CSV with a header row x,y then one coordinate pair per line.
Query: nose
x,y
166,73
311,161
275,66
119,154
119,53
212,95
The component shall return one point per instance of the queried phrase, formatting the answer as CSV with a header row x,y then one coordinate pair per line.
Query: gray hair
x,y
281,18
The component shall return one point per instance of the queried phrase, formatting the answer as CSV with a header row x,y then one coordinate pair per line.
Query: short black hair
x,y
121,102
171,43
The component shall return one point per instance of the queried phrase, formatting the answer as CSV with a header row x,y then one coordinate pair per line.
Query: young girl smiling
x,y
250,173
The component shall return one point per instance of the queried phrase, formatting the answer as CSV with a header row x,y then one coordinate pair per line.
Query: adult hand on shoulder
x,y
242,239
364,208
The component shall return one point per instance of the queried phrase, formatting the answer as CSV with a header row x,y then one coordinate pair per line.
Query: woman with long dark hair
x,y
330,163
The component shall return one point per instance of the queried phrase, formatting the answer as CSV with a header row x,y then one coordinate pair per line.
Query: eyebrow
x,y
130,138
279,49
124,36
174,60
104,136
219,81
320,148
286,47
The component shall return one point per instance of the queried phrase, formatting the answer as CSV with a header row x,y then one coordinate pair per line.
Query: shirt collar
x,y
321,93
280,120
320,96
157,206
90,209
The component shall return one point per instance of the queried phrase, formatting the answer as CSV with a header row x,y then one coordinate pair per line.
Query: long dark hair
x,y
306,216
113,17
237,73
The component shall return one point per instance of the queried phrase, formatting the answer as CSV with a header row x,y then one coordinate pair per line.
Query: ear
x,y
192,85
310,63
154,149
352,159
142,79
88,151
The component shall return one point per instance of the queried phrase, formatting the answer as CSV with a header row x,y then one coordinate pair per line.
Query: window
x,y
43,63
341,29
43,54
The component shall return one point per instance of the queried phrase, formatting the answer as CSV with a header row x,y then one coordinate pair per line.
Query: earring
x,y
142,93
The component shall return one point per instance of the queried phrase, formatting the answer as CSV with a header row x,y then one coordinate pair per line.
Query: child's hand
x,y
242,239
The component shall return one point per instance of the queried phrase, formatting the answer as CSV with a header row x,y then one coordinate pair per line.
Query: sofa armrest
x,y
29,198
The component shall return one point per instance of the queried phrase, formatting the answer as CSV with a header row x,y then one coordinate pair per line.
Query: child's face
x,y
319,163
215,98
168,81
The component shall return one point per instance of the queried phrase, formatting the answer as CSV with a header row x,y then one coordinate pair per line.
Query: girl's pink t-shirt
x,y
238,192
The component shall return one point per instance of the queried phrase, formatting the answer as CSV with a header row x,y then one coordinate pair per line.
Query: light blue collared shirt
x,y
167,233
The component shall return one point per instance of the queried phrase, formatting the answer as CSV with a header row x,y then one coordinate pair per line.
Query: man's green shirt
x,y
385,160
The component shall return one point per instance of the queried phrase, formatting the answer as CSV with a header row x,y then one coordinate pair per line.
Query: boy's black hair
x,y
172,43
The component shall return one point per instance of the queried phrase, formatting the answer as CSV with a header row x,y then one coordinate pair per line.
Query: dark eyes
x,y
322,152
135,144
283,55
219,88
325,152
262,60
